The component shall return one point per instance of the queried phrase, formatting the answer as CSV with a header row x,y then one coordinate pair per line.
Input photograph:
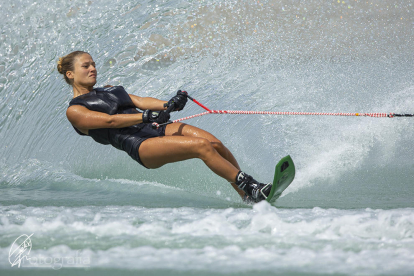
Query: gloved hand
x,y
178,100
159,117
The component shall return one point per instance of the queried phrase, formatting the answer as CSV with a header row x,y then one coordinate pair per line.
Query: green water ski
x,y
284,175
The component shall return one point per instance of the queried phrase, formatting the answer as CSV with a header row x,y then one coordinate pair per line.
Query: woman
x,y
109,116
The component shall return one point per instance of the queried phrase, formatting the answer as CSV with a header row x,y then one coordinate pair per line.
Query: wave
x,y
372,241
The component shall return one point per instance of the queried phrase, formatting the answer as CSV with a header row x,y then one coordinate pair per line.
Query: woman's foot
x,y
255,191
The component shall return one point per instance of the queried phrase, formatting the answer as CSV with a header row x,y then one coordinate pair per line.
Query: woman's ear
x,y
69,75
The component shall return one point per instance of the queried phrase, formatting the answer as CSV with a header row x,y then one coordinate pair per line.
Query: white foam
x,y
231,258
313,240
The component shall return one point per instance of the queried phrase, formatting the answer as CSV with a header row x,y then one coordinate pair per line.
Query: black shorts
x,y
133,142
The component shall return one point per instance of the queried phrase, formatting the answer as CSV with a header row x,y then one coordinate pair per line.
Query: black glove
x,y
159,117
178,100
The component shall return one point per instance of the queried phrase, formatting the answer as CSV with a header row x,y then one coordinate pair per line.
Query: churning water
x,y
93,210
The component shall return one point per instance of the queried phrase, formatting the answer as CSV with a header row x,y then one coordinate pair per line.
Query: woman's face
x,y
84,73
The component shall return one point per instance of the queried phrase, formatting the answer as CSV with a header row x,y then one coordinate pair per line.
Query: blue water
x,y
93,210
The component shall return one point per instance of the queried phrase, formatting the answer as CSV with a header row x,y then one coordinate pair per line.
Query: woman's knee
x,y
204,147
219,146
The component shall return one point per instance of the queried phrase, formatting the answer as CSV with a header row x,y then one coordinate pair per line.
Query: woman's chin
x,y
92,82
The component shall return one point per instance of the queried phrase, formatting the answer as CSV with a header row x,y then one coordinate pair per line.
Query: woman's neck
x,y
78,90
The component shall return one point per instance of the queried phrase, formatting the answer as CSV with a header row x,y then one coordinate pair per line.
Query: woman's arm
x,y
85,119
144,103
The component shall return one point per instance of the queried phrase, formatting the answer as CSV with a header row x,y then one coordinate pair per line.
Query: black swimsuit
x,y
115,100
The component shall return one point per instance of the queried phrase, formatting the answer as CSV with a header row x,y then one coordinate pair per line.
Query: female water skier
x,y
110,116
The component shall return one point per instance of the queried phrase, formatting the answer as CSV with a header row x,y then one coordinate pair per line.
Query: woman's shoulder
x,y
110,88
99,94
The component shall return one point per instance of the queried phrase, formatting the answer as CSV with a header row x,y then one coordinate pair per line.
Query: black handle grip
x,y
169,110
403,115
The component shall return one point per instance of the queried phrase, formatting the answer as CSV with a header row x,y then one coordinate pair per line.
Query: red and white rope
x,y
209,111
375,115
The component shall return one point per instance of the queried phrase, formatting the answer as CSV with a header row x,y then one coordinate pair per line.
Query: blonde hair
x,y
67,63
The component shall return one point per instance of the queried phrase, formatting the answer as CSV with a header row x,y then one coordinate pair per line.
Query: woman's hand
x,y
178,100
159,117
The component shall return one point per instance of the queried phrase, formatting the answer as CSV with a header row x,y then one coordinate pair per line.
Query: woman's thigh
x,y
180,129
158,151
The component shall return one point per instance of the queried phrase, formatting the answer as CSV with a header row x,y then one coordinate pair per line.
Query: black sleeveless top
x,y
109,100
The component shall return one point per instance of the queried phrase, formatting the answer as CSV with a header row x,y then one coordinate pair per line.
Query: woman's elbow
x,y
111,122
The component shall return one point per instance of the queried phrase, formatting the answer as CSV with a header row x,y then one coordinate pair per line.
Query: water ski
x,y
284,175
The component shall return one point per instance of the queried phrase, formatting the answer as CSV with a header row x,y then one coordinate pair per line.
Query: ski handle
x,y
171,109
168,110
198,103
